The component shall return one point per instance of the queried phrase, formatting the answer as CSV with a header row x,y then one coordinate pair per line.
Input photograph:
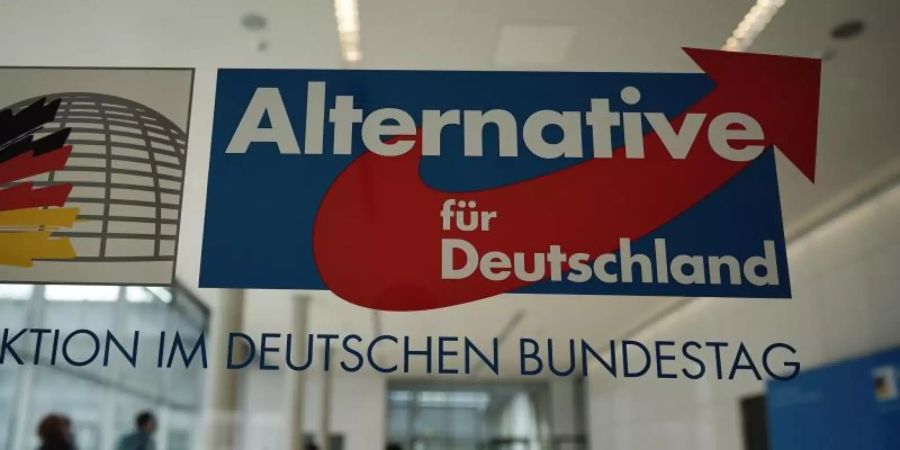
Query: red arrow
x,y
781,91
378,231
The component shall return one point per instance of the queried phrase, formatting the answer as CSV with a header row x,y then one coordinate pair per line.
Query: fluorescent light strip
x,y
753,23
347,14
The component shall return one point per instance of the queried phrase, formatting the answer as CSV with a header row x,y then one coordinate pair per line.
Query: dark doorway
x,y
753,417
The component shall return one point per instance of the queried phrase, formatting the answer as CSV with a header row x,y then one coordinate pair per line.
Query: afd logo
x,y
733,136
415,190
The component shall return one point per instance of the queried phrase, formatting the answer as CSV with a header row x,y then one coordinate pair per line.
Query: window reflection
x,y
136,294
16,291
101,401
76,293
457,416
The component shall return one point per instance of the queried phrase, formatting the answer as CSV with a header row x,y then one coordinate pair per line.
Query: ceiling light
x,y
347,14
254,21
753,23
848,29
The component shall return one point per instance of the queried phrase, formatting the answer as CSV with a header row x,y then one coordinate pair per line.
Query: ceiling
x,y
857,135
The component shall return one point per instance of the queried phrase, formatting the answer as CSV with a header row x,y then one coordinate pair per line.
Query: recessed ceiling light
x,y
254,21
848,30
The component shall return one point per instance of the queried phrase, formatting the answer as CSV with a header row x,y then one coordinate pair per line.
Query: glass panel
x,y
451,416
75,293
16,291
100,401
57,392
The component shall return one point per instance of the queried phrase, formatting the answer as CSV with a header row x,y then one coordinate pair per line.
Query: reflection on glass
x,y
101,401
16,291
137,294
455,416
76,293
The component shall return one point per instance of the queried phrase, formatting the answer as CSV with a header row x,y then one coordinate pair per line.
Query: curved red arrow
x,y
378,231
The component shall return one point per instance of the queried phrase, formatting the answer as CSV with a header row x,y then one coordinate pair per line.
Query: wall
x,y
563,411
358,409
519,419
846,303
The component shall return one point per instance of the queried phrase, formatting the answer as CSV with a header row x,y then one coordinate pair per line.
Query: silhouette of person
x,y
55,432
142,437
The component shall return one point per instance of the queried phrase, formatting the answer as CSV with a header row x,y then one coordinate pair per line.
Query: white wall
x,y
518,418
358,409
358,400
846,288
563,413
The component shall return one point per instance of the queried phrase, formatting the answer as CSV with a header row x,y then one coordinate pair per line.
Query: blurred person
x,y
55,432
142,437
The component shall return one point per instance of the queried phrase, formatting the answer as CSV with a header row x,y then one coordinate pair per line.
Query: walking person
x,y
55,432
142,437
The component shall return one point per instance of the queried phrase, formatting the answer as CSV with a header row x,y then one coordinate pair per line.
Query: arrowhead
x,y
781,92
